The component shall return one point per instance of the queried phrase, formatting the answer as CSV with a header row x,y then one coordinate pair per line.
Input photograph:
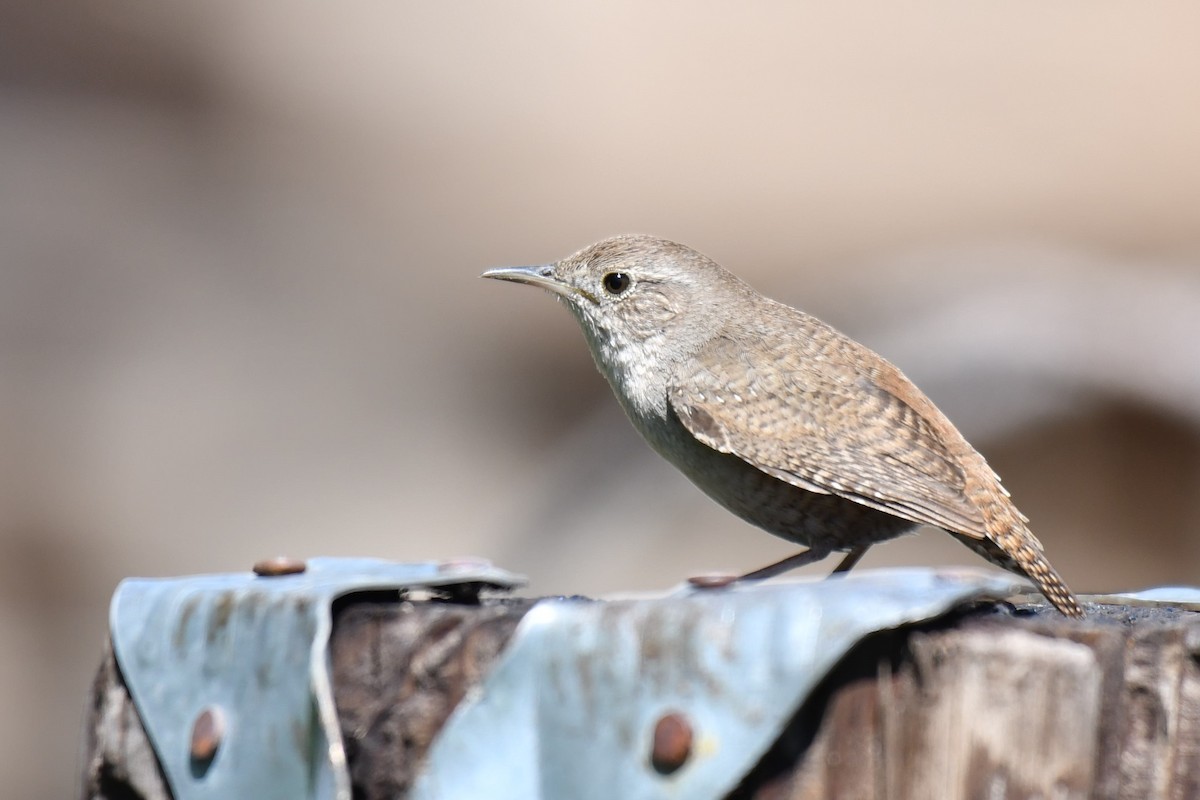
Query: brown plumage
x,y
778,417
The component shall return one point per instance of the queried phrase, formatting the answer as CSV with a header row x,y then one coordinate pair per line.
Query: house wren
x,y
784,421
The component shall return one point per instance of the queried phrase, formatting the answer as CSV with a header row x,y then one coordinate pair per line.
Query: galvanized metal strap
x,y
674,697
230,673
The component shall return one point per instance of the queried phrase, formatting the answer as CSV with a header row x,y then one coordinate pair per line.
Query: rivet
x,y
207,731
672,743
279,565
714,581
464,565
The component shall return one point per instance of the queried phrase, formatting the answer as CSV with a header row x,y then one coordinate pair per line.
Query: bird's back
x,y
810,407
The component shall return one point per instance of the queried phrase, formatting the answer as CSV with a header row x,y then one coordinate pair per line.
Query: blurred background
x,y
240,312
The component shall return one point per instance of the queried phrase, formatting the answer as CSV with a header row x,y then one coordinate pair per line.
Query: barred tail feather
x,y
1011,545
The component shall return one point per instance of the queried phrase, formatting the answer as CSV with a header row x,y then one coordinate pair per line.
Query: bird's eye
x,y
616,282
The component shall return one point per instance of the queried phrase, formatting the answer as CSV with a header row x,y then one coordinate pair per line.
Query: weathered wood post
x,y
947,699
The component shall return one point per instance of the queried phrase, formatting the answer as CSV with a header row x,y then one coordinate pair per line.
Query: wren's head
x,y
645,304
638,296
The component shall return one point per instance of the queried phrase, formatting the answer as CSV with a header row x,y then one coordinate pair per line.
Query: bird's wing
x,y
818,424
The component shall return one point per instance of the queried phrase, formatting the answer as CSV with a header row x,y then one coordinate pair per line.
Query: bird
x,y
786,422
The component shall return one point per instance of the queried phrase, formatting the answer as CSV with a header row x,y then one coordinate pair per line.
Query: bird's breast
x,y
636,376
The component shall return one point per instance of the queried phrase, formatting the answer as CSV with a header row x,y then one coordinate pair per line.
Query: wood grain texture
x,y
399,669
118,763
978,705
1003,707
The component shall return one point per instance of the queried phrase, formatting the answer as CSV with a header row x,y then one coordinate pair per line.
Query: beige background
x,y
240,313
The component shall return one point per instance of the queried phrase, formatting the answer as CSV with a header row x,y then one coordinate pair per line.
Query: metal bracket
x,y
230,673
670,697
1185,597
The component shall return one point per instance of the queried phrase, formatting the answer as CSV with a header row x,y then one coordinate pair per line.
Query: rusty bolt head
x,y
279,565
712,581
207,732
467,564
672,743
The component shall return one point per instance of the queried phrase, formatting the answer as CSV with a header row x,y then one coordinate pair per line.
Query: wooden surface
x,y
982,705
1001,707
398,672
119,763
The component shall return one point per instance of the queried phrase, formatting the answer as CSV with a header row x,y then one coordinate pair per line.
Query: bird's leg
x,y
791,562
852,558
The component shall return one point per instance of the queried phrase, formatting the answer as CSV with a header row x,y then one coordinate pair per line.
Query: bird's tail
x,y
1011,545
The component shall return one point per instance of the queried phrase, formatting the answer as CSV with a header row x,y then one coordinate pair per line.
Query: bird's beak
x,y
542,276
